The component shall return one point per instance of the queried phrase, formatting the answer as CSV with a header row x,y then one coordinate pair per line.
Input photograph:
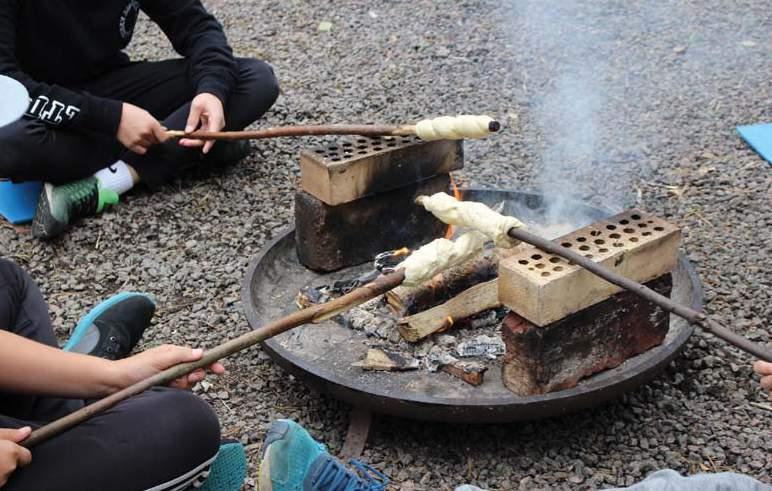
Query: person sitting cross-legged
x,y
96,121
164,438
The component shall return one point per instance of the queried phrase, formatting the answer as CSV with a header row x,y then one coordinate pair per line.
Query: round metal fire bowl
x,y
321,354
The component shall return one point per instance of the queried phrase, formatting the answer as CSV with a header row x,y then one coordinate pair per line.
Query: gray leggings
x,y
162,439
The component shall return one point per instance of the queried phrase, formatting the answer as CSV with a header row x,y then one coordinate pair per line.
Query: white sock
x,y
116,177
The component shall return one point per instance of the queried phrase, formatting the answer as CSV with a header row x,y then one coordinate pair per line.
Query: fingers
x,y
23,456
187,142
762,368
194,117
159,133
15,435
217,368
19,456
169,355
766,383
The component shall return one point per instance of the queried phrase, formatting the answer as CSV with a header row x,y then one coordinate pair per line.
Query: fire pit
x,y
322,355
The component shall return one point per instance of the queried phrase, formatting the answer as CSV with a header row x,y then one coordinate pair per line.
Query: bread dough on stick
x,y
454,127
439,255
475,216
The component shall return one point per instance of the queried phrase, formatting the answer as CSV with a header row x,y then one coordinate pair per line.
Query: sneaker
x,y
293,461
60,206
114,327
229,469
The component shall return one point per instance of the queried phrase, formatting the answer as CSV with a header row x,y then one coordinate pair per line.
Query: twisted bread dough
x,y
454,128
472,215
439,255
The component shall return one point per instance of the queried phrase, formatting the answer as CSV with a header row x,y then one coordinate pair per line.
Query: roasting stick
x,y
502,229
442,254
314,314
442,128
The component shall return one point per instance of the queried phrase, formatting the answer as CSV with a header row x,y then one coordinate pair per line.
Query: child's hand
x,y
764,369
12,455
155,360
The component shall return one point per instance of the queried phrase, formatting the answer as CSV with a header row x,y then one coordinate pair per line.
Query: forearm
x,y
30,367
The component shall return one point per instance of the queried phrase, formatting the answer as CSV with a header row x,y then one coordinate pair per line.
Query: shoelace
x,y
84,197
335,477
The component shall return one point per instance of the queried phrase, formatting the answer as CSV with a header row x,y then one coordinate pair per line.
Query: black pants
x,y
34,151
161,439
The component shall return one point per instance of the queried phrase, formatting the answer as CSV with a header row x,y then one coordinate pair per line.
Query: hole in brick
x,y
588,256
603,250
333,148
546,273
566,244
659,229
523,262
615,236
319,151
361,140
378,148
642,225
536,257
335,159
584,248
628,231
600,241
618,244
611,227
633,239
361,147
391,144
347,144
581,239
635,217
557,268
554,260
539,266
595,233
646,234
649,221
362,152
531,269
624,222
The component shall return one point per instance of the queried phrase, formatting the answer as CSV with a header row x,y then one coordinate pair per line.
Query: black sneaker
x,y
114,327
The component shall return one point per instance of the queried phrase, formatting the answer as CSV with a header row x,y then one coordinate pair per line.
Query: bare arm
x,y
30,367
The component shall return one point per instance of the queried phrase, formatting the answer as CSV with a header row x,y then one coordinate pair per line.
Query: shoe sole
x,y
43,209
88,319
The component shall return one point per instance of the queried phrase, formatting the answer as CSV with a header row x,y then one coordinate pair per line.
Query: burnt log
x,y
409,300
557,356
471,372
387,361
329,238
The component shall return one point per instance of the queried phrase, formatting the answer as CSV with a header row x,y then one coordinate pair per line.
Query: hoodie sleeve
x,y
53,104
196,35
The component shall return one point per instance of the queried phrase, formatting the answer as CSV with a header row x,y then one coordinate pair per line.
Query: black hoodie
x,y
48,45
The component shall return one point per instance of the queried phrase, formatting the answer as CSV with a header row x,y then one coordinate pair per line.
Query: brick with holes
x,y
544,288
329,238
556,356
351,169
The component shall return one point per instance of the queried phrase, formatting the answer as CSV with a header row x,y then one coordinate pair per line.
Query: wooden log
x,y
381,360
544,288
351,169
406,301
469,302
470,372
541,359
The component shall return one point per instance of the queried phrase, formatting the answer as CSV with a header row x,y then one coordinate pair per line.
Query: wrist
x,y
114,377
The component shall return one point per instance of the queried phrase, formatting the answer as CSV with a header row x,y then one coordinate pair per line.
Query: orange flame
x,y
404,251
448,324
456,194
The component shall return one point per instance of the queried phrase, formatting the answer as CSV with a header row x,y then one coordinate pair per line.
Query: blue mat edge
x,y
759,138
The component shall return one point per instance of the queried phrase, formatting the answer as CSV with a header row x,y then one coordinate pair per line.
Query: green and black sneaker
x,y
60,206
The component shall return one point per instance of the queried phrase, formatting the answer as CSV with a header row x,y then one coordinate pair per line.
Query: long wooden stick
x,y
301,130
687,313
314,314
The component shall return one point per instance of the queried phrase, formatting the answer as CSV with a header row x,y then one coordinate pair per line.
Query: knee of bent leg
x,y
12,163
188,421
259,79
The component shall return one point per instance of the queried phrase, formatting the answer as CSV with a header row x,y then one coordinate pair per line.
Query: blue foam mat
x,y
758,136
18,201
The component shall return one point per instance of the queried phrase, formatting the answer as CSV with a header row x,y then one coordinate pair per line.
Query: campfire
x,y
543,322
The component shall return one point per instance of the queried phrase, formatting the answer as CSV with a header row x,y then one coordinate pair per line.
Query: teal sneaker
x,y
60,206
228,470
293,461
112,328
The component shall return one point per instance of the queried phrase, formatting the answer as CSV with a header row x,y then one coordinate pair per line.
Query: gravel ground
x,y
640,100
